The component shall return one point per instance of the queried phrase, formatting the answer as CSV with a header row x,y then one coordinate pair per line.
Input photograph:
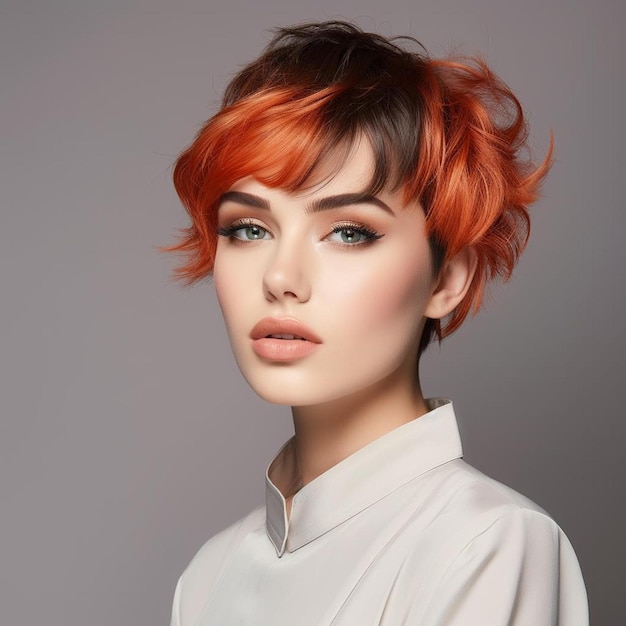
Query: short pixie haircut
x,y
447,132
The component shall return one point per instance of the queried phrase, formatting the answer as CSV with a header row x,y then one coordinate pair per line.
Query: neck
x,y
327,433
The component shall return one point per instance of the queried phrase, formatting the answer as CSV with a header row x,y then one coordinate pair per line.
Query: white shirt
x,y
401,532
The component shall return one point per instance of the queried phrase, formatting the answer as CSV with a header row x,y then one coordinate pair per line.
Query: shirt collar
x,y
362,478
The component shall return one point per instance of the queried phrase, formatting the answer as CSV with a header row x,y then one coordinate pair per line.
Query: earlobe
x,y
452,283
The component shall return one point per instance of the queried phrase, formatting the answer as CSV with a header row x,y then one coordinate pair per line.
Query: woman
x,y
351,199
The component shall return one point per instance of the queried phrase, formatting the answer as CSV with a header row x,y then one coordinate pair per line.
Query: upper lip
x,y
283,325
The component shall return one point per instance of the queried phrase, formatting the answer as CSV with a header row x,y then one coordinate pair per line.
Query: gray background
x,y
128,436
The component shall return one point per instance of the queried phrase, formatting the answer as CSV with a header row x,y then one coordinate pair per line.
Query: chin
x,y
291,388
288,395
285,387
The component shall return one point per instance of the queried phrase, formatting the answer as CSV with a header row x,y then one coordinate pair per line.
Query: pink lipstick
x,y
283,339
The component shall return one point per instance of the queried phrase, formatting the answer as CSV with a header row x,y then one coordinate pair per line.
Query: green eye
x,y
245,231
349,235
352,235
251,232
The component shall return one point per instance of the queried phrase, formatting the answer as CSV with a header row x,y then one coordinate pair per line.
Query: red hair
x,y
448,132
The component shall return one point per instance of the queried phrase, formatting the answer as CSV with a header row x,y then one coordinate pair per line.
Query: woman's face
x,y
350,273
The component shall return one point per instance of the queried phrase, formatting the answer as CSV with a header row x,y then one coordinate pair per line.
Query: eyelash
x,y
369,233
360,229
229,231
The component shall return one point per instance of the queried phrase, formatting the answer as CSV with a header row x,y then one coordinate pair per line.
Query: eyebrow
x,y
322,204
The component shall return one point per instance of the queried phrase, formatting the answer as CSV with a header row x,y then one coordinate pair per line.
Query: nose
x,y
286,276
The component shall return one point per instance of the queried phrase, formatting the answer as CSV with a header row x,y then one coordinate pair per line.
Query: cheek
x,y
384,291
221,281
229,284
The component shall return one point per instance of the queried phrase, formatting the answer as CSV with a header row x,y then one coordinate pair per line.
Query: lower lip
x,y
283,349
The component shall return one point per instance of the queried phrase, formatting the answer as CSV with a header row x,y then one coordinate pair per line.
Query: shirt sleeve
x,y
520,571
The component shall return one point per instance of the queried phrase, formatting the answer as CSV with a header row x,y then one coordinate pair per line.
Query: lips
x,y
282,340
285,328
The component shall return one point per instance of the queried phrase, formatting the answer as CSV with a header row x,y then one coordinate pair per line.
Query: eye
x,y
244,230
352,234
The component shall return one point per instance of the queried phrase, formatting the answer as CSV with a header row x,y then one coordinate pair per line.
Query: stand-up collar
x,y
362,478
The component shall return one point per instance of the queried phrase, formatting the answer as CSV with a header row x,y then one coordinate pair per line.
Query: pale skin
x,y
365,293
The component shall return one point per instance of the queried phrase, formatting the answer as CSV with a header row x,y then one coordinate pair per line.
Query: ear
x,y
452,283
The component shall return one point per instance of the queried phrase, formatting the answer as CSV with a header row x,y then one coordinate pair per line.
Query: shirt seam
x,y
505,512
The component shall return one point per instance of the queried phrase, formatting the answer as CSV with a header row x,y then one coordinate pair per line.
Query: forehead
x,y
348,169
339,184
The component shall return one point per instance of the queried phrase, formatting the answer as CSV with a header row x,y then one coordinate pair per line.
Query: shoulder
x,y
485,514
482,495
219,546
502,551
200,576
